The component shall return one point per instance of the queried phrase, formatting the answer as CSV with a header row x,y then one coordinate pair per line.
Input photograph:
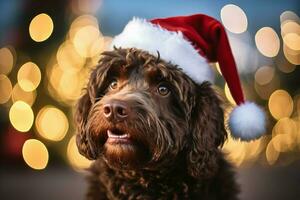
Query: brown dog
x,y
153,131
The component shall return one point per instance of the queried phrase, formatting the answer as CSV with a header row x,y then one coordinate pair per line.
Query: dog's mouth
x,y
117,136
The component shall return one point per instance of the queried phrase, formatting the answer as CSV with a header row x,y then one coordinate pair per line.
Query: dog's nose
x,y
115,110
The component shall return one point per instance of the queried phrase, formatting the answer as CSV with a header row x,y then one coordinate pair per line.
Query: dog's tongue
x,y
111,134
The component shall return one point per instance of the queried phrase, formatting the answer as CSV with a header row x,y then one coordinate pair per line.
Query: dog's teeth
x,y
111,135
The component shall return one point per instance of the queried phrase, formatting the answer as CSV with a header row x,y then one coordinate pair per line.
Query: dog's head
x,y
141,112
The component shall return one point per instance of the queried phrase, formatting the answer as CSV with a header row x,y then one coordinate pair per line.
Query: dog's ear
x,y
207,133
81,115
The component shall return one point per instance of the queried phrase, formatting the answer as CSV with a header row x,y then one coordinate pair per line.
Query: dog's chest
x,y
149,187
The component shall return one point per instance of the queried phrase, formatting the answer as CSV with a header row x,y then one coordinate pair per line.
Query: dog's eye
x,y
163,90
113,85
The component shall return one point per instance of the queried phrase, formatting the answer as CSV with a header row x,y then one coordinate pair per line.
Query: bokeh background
x,y
47,49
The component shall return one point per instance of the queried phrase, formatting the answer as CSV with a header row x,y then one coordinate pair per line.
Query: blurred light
x,y
285,133
283,143
86,6
280,104
267,42
29,76
241,48
234,18
51,123
292,56
41,27
107,42
297,104
20,95
289,27
81,21
265,91
21,116
75,158
66,86
292,40
68,58
285,66
234,151
285,126
239,152
216,66
289,15
228,94
290,32
254,148
264,75
6,60
35,154
271,154
5,88
88,41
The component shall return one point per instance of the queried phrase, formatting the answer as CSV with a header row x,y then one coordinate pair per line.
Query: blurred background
x,y
47,49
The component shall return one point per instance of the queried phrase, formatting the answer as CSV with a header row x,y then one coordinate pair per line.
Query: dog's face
x,y
141,112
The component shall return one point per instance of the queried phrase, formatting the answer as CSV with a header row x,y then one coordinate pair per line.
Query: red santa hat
x,y
191,42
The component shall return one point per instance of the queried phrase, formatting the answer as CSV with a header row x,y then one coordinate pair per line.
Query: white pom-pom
x,y
247,122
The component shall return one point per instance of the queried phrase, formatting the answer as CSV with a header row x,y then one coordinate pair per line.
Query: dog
x,y
153,132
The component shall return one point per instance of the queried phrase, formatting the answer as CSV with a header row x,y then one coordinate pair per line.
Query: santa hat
x,y
191,42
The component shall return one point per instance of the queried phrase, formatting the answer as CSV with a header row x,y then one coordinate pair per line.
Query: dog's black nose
x,y
115,110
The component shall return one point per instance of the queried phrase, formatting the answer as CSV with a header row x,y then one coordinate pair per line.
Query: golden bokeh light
x,y
6,60
66,86
290,32
234,18
81,21
297,104
292,40
280,104
285,126
88,41
289,27
234,151
267,42
5,88
265,91
228,94
285,135
29,76
51,123
68,58
239,152
264,75
41,27
21,116
77,161
271,153
292,56
35,154
20,95
254,148
283,143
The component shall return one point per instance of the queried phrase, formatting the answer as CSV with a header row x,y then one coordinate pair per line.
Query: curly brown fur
x,y
172,149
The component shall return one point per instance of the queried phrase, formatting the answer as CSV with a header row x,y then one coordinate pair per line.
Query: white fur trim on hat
x,y
172,47
247,121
